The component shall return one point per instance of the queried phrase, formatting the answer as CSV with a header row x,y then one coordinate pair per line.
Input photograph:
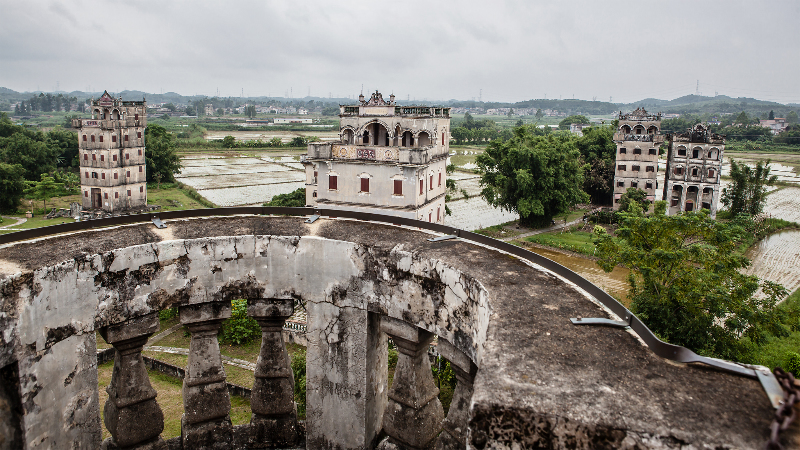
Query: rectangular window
x,y
140,152
85,193
637,151
622,167
652,151
101,138
116,194
333,182
129,192
84,138
650,169
114,138
102,157
105,195
87,174
141,188
365,185
94,175
139,134
421,187
635,168
116,176
140,169
127,156
623,151
398,187
135,117
103,175
129,173
126,138
440,179
315,176
681,152
648,185
634,184
430,186
92,138
620,184
94,157
114,157
674,202
85,156
438,213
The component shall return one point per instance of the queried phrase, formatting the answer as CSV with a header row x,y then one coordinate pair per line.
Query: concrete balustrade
x,y
131,413
206,422
542,383
413,415
274,421
454,428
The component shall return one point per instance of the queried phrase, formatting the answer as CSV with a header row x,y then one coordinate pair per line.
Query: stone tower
x,y
638,140
390,159
111,152
693,170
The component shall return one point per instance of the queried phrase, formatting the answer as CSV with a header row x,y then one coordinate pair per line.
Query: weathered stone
x,y
131,413
455,425
413,416
10,409
206,422
274,420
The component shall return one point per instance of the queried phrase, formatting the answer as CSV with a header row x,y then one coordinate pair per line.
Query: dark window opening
x,y
648,185
440,178
650,169
620,184
92,138
622,167
398,187
421,187
681,152
116,194
634,184
365,185
635,168
711,172
101,138
333,182
637,151
622,151
696,153
652,151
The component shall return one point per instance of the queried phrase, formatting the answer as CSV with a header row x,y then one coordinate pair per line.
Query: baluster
x,y
454,434
274,420
413,415
131,413
206,421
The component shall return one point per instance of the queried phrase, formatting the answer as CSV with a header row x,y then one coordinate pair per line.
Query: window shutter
x,y
333,182
365,185
398,187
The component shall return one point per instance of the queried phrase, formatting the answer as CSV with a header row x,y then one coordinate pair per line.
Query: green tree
x,y
190,111
12,185
298,141
275,142
771,115
229,141
792,118
539,114
469,121
747,192
34,155
250,111
634,195
44,190
160,154
171,107
67,144
598,152
742,119
536,176
296,198
567,121
687,285
220,112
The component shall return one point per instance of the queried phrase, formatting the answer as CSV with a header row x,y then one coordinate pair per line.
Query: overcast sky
x,y
425,50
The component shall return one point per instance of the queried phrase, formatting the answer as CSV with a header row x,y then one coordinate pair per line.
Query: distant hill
x,y
688,104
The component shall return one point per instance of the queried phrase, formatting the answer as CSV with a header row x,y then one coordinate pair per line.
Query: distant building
x,y
777,125
390,159
638,139
111,153
577,128
209,109
693,170
287,120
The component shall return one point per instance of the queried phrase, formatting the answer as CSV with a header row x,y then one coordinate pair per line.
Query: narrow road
x,y
555,227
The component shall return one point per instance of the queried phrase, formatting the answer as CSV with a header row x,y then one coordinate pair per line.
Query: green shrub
x,y
793,363
167,314
240,328
299,372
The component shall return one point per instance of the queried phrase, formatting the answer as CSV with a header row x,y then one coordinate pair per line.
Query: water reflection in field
x,y
615,283
777,258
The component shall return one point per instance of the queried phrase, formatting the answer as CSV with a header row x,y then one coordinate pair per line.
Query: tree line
x,y
49,103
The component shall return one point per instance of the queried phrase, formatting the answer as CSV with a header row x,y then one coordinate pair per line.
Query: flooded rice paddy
x,y
784,204
777,258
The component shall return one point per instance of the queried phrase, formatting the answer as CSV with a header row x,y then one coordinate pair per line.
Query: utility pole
x,y
480,96
697,90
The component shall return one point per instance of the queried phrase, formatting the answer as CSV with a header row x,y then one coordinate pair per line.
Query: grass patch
x,y
172,198
777,350
575,241
169,399
500,231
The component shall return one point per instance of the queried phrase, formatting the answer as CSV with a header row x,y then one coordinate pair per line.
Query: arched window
x,y
408,139
696,152
424,139
652,130
625,129
638,129
711,173
347,136
366,137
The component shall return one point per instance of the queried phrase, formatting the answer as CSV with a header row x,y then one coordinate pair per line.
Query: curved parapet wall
x,y
529,375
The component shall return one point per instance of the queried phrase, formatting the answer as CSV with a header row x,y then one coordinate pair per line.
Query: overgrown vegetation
x,y
240,328
297,198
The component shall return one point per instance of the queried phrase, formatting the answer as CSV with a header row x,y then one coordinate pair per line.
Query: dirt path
x,y
20,221
555,227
